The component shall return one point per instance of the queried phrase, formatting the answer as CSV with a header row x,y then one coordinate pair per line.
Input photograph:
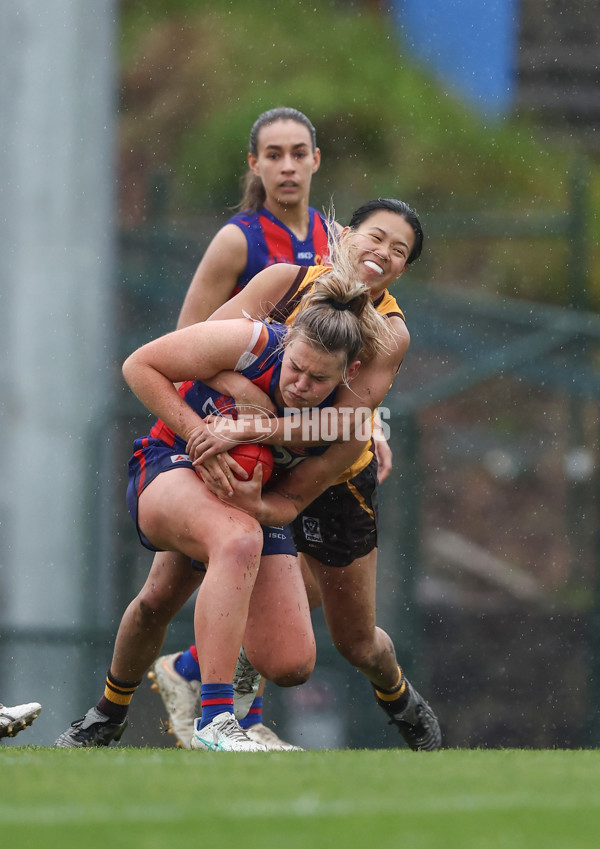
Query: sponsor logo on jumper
x,y
180,458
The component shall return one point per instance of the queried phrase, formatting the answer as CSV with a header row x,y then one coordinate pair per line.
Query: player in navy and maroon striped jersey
x,y
275,223
269,241
279,226
245,595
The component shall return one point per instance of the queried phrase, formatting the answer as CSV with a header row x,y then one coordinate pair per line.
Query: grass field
x,y
472,799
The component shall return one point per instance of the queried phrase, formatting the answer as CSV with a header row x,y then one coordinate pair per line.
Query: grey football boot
x,y
416,722
94,729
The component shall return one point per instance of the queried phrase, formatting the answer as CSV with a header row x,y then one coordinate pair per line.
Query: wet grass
x,y
471,799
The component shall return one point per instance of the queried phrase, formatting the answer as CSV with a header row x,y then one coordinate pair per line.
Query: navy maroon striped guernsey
x,y
270,241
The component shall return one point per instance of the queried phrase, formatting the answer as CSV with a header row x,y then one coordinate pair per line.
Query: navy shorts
x,y
152,457
341,524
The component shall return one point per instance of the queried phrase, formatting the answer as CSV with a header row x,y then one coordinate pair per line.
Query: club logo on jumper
x,y
311,529
180,458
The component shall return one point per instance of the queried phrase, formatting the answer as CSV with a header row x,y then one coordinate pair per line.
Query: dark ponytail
x,y
253,191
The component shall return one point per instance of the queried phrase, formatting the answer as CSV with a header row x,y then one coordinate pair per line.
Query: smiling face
x,y
381,246
309,374
285,163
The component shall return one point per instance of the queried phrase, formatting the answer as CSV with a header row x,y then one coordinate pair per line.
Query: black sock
x,y
396,699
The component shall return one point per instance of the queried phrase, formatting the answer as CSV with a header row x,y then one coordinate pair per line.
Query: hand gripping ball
x,y
249,454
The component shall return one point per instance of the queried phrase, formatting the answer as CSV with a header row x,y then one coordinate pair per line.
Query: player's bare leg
x,y
348,596
279,639
170,583
227,535
176,677
141,634
293,646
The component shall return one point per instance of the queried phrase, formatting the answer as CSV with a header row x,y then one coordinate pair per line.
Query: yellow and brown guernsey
x,y
286,310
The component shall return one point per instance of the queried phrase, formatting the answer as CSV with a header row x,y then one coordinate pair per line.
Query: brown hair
x,y
254,195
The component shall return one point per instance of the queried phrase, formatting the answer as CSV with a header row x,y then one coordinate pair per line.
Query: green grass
x,y
471,799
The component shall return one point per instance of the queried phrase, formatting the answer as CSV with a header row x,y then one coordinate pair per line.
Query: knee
x,y
242,545
292,678
294,672
358,652
148,609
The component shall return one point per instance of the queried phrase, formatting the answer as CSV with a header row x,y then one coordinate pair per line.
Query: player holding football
x,y
383,239
266,608
275,224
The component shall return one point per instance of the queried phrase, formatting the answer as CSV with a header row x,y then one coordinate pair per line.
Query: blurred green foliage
x,y
195,75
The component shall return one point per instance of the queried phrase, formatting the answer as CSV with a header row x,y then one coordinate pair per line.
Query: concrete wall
x,y
57,145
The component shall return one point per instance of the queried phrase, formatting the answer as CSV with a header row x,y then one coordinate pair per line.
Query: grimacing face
x,y
309,374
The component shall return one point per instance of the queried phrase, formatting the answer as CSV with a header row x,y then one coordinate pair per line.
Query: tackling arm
x,y
194,353
281,503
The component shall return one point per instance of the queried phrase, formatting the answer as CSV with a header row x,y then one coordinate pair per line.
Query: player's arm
x,y
256,300
353,406
193,353
260,295
374,379
247,395
295,490
383,452
300,486
216,276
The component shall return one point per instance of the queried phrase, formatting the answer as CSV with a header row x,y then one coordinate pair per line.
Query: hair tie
x,y
339,305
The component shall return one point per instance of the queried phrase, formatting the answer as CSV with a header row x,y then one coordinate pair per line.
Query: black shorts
x,y
341,524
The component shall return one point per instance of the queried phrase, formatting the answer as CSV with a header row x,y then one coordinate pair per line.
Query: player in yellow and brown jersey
x,y
335,523
286,311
